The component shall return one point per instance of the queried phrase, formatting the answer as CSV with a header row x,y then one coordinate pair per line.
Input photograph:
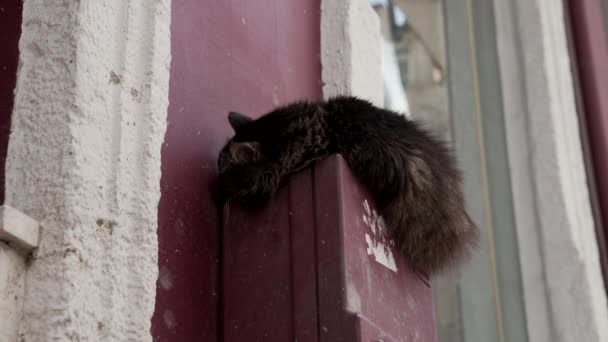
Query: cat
x,y
411,174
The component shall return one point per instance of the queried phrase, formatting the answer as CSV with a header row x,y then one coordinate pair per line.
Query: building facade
x,y
113,112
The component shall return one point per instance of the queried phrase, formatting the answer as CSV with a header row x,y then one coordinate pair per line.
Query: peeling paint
x,y
353,299
379,251
378,244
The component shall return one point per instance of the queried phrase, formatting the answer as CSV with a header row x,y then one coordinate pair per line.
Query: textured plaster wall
x,y
563,287
18,237
351,50
84,160
12,276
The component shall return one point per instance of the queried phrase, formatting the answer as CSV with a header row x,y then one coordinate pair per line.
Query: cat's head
x,y
268,138
242,149
242,159
265,149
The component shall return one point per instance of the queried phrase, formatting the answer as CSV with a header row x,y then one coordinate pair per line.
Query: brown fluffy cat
x,y
412,175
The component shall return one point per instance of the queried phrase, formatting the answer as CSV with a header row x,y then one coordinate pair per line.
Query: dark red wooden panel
x,y
303,256
270,268
239,55
320,272
257,281
367,291
10,26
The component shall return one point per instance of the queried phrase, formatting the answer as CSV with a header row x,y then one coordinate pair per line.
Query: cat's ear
x,y
238,120
245,152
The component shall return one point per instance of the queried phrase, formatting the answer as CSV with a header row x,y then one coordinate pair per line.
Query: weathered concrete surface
x,y
351,50
84,160
12,276
563,287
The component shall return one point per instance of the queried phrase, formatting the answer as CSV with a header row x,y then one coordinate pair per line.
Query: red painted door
x,y
239,55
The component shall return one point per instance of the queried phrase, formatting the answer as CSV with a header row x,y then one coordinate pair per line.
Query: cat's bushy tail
x,y
414,178
428,221
417,188
433,240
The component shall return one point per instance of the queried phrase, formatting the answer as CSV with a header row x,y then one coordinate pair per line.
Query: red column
x,y
239,55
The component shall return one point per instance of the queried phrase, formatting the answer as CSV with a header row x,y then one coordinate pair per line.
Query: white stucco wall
x,y
18,237
563,287
351,51
84,160
12,277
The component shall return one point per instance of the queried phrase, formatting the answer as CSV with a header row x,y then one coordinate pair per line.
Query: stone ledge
x,y
18,230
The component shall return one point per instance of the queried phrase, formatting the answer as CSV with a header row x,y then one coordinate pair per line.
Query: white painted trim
x,y
18,230
351,51
563,287
84,159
